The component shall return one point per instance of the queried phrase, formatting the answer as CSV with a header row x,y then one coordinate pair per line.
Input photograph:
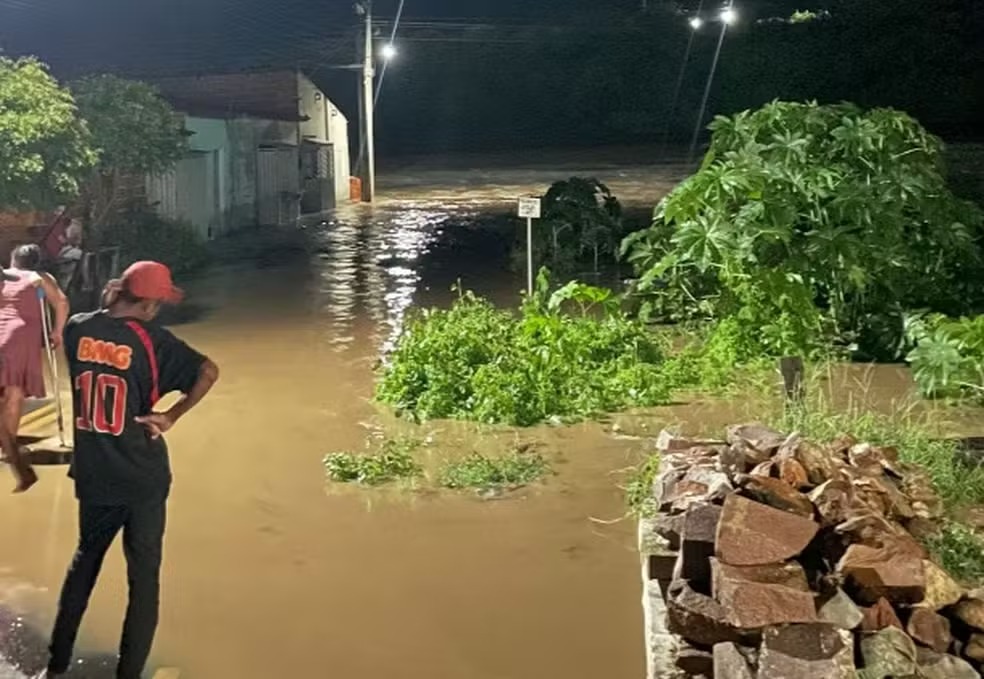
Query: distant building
x,y
265,148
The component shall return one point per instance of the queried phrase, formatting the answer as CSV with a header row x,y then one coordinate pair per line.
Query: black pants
x,y
143,536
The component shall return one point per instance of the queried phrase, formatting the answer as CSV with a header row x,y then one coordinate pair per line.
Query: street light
x,y
696,23
388,51
729,16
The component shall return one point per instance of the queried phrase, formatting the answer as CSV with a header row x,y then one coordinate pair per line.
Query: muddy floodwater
x,y
270,573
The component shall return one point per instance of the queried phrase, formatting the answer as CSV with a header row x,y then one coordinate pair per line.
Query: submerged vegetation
x,y
481,472
392,462
397,459
581,228
479,363
811,231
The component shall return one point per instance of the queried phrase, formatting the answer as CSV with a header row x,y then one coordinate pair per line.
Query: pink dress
x,y
20,335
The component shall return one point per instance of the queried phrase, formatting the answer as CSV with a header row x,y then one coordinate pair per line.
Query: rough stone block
x,y
751,533
933,665
762,596
930,629
700,527
888,653
731,663
878,617
695,663
873,573
840,611
817,651
777,494
698,618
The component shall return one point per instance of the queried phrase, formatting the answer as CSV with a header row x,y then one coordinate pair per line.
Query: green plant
x,y
947,355
478,363
136,131
812,220
509,471
960,550
639,488
45,148
393,461
582,223
142,234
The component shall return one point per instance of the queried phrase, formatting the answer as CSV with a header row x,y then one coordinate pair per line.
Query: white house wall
x,y
325,124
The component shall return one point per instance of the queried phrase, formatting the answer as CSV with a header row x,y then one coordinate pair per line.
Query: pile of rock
x,y
771,557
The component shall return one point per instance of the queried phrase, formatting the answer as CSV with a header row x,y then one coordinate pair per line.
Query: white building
x,y
264,149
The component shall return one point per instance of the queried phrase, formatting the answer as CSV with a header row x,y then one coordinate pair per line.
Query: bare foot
x,y
26,477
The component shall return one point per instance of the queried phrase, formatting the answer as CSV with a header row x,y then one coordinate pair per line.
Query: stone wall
x,y
771,557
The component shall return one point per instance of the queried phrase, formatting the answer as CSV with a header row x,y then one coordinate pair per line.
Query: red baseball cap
x,y
151,280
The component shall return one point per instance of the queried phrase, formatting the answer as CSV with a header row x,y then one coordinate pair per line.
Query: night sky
x,y
480,74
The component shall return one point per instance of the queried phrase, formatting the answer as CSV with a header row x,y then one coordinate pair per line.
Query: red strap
x,y
155,394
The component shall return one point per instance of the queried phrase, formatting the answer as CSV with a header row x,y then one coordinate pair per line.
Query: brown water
x,y
270,573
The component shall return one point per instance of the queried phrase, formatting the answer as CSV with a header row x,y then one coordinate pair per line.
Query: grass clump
x,y
393,461
639,489
960,550
475,362
482,472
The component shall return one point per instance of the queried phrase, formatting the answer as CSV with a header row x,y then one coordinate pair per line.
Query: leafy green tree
x,y
137,133
45,148
826,207
582,223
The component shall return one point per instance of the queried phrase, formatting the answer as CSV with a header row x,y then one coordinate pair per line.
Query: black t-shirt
x,y
120,367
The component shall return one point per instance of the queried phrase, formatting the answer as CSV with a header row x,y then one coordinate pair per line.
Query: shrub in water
x,y
393,461
481,472
479,363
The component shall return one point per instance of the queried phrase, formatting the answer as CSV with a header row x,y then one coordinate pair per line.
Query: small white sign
x,y
529,208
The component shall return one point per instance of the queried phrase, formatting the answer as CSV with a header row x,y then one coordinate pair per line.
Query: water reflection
x,y
369,265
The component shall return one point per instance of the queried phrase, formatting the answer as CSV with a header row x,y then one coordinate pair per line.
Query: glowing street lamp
x,y
388,51
729,16
696,23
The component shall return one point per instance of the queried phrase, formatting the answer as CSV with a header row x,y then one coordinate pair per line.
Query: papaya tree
x,y
832,209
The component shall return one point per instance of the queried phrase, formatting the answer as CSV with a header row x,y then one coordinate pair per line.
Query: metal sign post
x,y
529,209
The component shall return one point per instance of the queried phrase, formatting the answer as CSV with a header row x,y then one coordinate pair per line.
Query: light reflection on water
x,y
369,266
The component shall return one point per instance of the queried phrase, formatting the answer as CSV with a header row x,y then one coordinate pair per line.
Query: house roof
x,y
271,95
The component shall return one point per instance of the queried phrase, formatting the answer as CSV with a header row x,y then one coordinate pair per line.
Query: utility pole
x,y
368,110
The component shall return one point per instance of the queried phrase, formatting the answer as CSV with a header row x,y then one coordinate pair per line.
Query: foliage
x,y
813,219
393,461
479,363
960,550
482,472
582,223
947,357
639,489
134,128
136,131
45,149
142,234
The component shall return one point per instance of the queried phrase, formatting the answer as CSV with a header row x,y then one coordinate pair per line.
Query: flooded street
x,y
270,573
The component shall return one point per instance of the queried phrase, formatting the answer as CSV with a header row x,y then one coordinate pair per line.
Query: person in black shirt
x,y
121,364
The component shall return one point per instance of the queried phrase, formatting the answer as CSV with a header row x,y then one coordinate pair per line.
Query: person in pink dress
x,y
21,343
24,475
